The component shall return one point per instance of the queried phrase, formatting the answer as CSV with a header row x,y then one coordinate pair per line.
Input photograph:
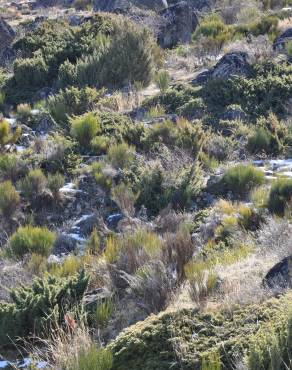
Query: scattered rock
x,y
280,276
65,244
230,65
178,24
114,219
85,225
281,41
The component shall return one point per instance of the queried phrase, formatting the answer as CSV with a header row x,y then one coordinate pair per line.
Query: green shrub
x,y
84,128
36,309
29,239
213,29
11,167
33,184
262,141
102,178
30,73
126,59
55,182
162,80
280,196
223,332
100,144
93,245
72,102
92,359
242,178
9,199
121,155
6,134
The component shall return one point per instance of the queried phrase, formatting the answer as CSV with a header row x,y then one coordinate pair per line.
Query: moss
x,y
154,343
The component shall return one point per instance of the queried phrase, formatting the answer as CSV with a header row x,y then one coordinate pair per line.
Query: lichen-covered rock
x,y
230,65
178,22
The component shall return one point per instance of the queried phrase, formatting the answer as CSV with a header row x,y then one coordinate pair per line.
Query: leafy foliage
x,y
37,308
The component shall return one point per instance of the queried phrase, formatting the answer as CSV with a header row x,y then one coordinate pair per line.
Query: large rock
x,y
283,39
280,276
178,22
230,65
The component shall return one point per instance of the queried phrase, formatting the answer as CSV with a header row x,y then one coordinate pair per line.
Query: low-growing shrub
x,y
33,184
23,113
263,141
11,167
84,128
124,197
72,101
162,80
91,358
7,136
280,196
102,178
29,239
121,155
55,182
93,245
100,144
242,178
36,309
9,199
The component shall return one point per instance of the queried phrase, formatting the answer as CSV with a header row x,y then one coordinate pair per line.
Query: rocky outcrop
x,y
118,6
280,276
7,36
178,22
283,39
230,65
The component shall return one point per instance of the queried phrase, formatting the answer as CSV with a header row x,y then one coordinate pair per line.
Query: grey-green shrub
x,y
29,239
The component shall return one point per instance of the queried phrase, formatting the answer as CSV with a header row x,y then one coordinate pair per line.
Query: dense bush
x,y
174,98
183,134
242,178
29,239
84,128
9,199
37,308
280,196
72,102
224,331
268,90
262,140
